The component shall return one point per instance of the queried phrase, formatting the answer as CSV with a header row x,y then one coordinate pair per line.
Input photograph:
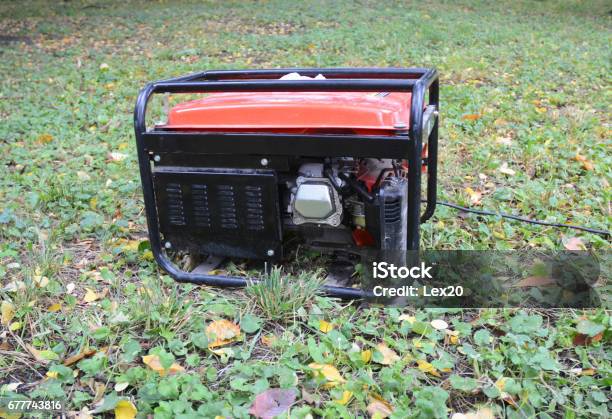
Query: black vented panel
x,y
174,204
229,212
393,210
254,208
201,212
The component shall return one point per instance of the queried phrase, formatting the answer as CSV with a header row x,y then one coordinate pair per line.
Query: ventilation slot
x,y
254,208
393,211
176,213
227,207
201,211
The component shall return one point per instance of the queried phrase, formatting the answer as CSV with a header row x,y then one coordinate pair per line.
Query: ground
x,y
525,105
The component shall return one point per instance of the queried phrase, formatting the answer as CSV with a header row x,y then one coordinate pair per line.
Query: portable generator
x,y
333,156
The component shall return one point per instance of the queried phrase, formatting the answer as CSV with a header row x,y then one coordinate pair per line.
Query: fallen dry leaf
x,y
484,413
52,374
329,372
8,312
153,362
14,286
269,340
471,117
389,355
116,156
76,358
426,367
451,337
407,318
584,340
475,196
535,281
366,355
574,243
44,138
379,409
121,386
439,324
506,170
41,356
272,402
40,281
221,332
586,163
325,326
90,296
125,409
53,308
346,398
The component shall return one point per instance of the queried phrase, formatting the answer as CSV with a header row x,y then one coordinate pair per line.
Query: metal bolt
x,y
168,245
270,252
264,162
156,158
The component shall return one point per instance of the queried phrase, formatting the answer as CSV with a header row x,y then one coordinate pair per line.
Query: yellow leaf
x,y
54,307
15,326
41,281
76,358
6,415
125,409
45,138
222,352
471,117
379,409
90,296
221,332
501,383
325,327
131,245
366,355
426,367
389,355
329,372
346,398
407,318
540,109
52,374
153,362
475,196
8,312
269,340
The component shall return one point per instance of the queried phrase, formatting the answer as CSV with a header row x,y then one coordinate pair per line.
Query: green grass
x,y
535,72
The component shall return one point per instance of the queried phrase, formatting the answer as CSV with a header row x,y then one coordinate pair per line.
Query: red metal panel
x,y
294,112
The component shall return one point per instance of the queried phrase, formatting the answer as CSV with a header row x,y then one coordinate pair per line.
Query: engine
x,y
349,203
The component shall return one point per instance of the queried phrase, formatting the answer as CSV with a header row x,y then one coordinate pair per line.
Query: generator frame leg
x,y
407,144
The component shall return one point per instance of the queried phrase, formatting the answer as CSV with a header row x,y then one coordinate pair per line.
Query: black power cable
x,y
523,219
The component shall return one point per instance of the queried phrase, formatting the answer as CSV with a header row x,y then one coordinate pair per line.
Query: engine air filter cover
x,y
316,201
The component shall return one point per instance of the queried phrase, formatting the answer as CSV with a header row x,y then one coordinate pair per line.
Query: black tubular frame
x,y
406,143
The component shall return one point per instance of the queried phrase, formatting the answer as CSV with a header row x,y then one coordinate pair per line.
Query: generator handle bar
x,y
415,80
329,73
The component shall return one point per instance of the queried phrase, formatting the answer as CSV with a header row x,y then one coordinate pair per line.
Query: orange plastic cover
x,y
295,112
